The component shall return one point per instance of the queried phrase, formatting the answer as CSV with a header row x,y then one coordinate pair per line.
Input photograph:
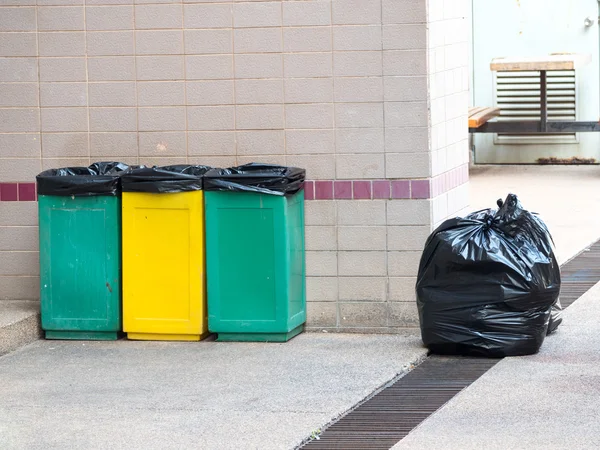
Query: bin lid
x,y
100,178
165,179
256,177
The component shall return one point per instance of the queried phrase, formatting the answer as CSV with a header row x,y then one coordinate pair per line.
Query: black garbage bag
x,y
101,178
256,177
165,179
488,284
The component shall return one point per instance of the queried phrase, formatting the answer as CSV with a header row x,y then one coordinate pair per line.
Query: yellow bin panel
x,y
163,266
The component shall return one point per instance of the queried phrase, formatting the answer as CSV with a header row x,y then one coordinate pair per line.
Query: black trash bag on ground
x,y
101,178
488,284
165,179
258,178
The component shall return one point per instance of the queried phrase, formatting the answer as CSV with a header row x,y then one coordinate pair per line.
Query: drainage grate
x,y
580,274
390,415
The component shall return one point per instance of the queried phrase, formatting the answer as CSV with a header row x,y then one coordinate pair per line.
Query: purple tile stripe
x,y
323,189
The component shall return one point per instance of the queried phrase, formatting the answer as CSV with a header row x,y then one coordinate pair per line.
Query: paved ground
x,y
566,197
546,401
207,395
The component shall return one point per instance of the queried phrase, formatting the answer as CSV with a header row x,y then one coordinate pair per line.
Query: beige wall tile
x,y
18,69
349,12
363,289
158,68
318,167
257,40
304,65
359,314
309,90
407,237
320,212
208,16
321,314
18,94
51,18
259,117
365,238
407,165
403,11
258,66
13,170
113,144
65,145
410,139
20,145
321,238
18,19
306,13
208,41
409,212
405,62
19,288
405,37
213,92
309,142
360,166
168,118
406,114
116,68
63,94
307,39
19,213
363,89
214,143
70,43
359,115
405,89
403,264
210,118
402,289
362,264
109,18
318,115
163,144
360,140
18,44
262,142
112,94
19,263
259,91
159,42
161,93
368,212
403,314
109,43
321,264
64,119
161,16
113,119
209,67
19,120
322,289
257,14
62,69
357,37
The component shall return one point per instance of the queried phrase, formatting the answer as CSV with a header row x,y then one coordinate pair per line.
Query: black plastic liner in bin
x,y
488,284
258,178
166,179
101,178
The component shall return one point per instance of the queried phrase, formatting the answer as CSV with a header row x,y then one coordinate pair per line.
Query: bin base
x,y
165,337
259,337
83,335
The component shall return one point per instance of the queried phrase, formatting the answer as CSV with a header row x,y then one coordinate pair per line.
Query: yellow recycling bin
x,y
164,294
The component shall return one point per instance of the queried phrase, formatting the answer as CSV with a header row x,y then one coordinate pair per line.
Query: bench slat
x,y
480,115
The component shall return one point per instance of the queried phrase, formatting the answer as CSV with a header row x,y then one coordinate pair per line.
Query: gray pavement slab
x,y
209,395
546,401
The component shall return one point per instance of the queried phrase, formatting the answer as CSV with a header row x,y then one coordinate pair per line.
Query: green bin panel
x,y
80,265
255,265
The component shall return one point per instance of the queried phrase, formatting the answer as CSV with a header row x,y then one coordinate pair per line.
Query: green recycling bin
x,y
255,252
80,251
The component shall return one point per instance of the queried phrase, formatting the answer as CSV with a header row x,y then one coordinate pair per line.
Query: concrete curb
x,y
19,324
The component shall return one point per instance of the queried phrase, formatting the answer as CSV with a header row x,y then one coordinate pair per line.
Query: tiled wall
x,y
367,95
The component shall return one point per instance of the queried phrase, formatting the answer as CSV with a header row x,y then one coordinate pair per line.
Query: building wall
x,y
370,96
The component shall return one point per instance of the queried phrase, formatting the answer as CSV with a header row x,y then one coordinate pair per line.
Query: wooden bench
x,y
480,115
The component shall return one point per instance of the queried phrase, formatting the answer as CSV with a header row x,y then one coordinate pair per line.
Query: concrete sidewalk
x,y
207,395
546,401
